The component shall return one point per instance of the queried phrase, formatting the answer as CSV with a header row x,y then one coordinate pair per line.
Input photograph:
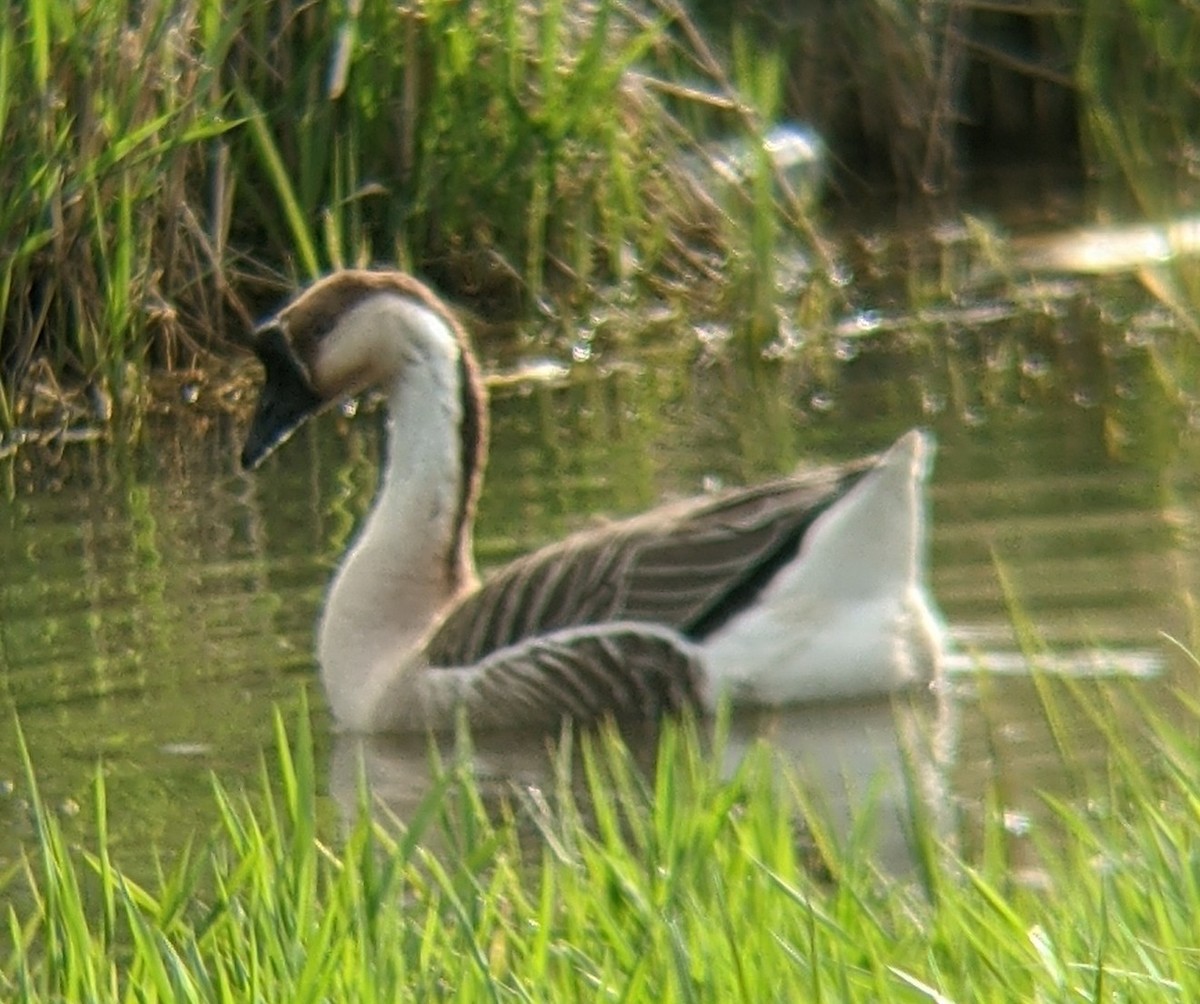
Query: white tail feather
x,y
850,615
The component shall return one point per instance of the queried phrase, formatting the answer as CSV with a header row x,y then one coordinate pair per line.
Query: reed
x,y
100,114
1135,75
173,167
176,166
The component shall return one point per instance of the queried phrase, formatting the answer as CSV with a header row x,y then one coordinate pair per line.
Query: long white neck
x,y
405,565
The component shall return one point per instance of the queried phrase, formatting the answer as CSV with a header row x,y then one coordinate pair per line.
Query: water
x,y
156,604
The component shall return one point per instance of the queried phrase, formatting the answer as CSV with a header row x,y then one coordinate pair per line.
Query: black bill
x,y
286,399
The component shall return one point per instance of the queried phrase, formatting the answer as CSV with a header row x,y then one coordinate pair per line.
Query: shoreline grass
x,y
188,162
174,167
680,884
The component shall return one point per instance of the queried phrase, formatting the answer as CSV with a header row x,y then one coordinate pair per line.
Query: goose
x,y
806,588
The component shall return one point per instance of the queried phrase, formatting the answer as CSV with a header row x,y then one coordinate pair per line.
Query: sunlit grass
x,y
680,884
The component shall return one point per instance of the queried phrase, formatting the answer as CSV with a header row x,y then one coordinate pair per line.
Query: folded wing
x,y
621,670
687,567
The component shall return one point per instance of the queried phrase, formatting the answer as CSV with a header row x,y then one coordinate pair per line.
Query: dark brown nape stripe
x,y
473,436
473,431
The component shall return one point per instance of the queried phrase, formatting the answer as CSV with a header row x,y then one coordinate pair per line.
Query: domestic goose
x,y
806,588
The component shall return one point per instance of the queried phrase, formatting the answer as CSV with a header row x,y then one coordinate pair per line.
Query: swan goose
x,y
806,588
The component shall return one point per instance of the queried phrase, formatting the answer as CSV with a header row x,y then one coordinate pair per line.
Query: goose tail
x,y
850,615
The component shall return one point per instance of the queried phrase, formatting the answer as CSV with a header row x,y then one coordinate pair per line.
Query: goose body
x,y
806,588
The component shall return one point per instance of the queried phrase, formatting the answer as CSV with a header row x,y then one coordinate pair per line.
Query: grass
x,y
1140,121
174,167
99,114
670,884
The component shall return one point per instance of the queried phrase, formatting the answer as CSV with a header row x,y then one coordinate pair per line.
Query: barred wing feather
x,y
686,567
621,670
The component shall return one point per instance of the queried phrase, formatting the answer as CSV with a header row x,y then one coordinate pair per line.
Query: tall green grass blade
x,y
39,37
8,100
272,161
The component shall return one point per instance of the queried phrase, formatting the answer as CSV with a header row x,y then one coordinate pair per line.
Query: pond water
x,y
156,603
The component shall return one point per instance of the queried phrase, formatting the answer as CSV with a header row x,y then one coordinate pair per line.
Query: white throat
x,y
399,574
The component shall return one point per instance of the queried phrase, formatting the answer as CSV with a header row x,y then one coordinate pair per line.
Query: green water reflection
x,y
155,603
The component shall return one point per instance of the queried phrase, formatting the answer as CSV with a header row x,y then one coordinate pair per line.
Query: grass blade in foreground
x,y
679,885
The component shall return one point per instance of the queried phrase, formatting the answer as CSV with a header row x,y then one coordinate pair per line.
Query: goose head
x,y
353,331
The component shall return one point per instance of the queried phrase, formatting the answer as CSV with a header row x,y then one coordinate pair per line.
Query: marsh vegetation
x,y
172,169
